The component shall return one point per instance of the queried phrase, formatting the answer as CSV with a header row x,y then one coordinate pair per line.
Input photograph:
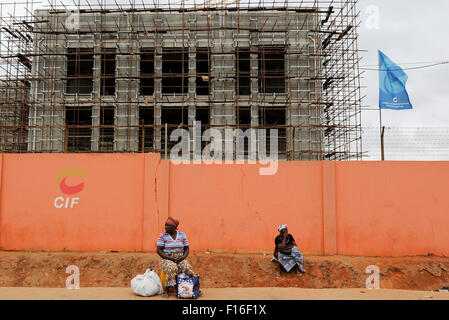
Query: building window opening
x,y
174,118
271,64
202,114
106,128
274,118
78,129
147,72
146,129
244,123
107,73
175,68
243,71
202,71
80,66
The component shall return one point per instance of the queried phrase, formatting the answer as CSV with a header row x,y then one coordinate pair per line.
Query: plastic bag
x,y
187,287
147,284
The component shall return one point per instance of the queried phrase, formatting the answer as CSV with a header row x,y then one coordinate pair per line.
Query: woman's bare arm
x,y
292,245
283,244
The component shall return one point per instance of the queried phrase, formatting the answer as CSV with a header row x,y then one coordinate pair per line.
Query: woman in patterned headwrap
x,y
173,248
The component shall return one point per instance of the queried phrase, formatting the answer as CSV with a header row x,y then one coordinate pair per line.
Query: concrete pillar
x,y
329,208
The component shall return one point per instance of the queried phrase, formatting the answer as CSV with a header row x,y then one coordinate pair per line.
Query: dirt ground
x,y
29,293
222,270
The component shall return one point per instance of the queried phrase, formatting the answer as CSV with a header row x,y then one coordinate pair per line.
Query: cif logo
x,y
69,201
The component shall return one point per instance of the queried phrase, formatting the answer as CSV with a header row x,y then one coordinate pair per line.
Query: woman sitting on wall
x,y
173,248
286,250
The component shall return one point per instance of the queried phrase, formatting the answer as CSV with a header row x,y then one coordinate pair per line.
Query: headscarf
x,y
280,228
172,221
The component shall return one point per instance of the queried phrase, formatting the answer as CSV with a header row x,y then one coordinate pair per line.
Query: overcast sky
x,y
409,31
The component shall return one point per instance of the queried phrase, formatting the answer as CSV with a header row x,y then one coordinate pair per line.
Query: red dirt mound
x,y
220,270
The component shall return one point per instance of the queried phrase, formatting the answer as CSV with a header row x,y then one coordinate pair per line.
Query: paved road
x,y
108,293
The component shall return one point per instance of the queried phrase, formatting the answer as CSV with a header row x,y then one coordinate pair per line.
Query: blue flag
x,y
392,80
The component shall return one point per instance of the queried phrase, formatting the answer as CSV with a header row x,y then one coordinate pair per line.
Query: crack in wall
x,y
155,189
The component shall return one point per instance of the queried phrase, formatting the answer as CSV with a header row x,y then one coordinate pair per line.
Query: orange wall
x,y
354,208
393,208
108,214
232,207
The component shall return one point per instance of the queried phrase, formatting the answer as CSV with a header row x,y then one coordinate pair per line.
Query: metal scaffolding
x,y
116,76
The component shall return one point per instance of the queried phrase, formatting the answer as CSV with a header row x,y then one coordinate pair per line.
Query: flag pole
x,y
382,131
380,113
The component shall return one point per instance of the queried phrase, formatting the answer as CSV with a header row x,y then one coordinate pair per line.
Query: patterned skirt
x,y
171,269
288,261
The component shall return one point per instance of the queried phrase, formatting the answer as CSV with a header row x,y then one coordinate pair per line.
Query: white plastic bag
x,y
147,284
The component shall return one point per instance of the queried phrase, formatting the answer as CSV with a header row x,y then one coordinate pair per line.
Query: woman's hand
x,y
163,255
184,255
174,259
179,259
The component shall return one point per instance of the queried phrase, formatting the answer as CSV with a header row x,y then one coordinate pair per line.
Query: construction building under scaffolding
x,y
121,78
